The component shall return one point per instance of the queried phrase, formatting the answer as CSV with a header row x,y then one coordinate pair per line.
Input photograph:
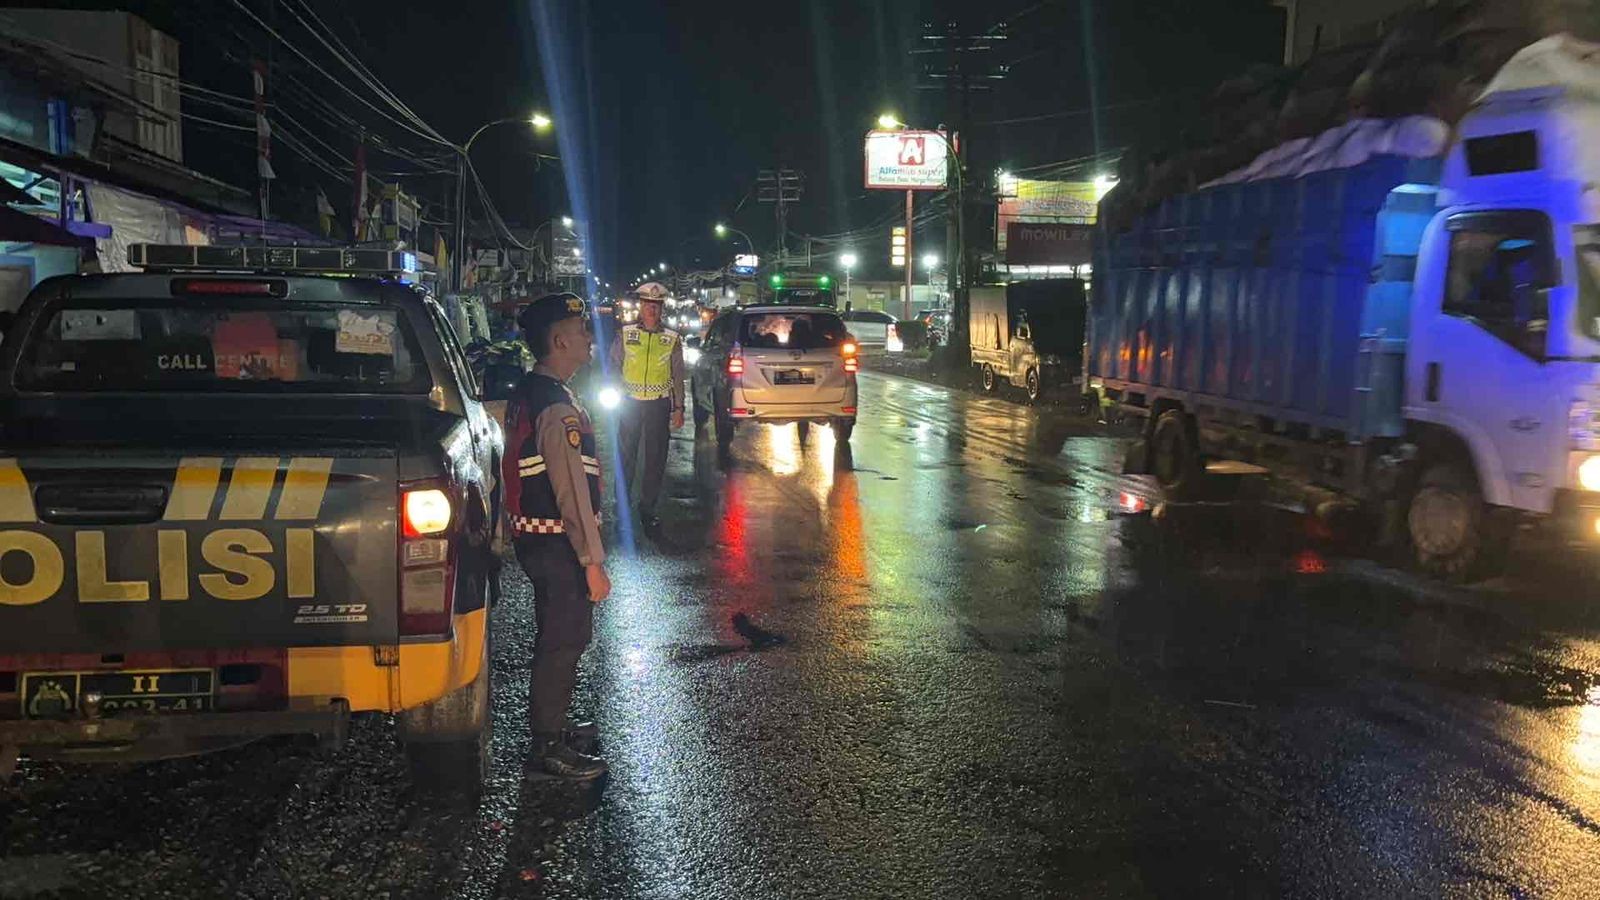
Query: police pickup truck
x,y
245,492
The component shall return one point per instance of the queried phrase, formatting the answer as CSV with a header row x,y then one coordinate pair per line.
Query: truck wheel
x,y
988,378
842,429
1034,385
1453,536
1174,458
447,741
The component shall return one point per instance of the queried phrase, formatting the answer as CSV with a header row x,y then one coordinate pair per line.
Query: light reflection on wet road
x,y
940,663
986,682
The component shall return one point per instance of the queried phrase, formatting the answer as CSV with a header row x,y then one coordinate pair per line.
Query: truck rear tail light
x,y
425,596
427,559
230,287
424,552
425,512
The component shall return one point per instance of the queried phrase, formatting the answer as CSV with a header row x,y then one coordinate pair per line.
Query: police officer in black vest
x,y
552,479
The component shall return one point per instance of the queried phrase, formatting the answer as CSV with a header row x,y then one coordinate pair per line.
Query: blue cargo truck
x,y
1404,314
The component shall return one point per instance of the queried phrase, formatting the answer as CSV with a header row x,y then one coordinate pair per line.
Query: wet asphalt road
x,y
946,664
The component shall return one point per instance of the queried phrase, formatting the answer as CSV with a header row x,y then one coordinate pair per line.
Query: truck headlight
x,y
1589,473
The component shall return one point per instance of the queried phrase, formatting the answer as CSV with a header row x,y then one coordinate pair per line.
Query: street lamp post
x,y
540,122
847,261
722,231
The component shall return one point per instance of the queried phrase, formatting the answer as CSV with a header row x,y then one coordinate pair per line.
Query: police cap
x,y
537,317
548,310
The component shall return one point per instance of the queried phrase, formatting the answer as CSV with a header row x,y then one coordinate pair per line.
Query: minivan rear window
x,y
238,345
791,331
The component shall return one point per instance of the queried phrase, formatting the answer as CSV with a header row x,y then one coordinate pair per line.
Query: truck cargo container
x,y
1404,313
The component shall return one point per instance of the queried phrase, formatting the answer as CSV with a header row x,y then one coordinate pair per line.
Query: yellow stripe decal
x,y
249,488
193,489
303,486
16,501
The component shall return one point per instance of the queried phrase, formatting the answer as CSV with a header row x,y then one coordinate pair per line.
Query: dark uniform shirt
x,y
551,472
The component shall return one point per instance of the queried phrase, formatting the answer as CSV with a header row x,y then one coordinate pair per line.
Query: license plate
x,y
47,695
793,376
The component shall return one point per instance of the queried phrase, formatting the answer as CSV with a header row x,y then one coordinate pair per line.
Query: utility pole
x,y
905,306
958,63
780,187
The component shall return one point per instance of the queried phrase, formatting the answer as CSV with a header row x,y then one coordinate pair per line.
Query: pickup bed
x,y
236,505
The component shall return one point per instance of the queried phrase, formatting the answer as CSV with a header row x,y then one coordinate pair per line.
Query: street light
x,y
722,231
847,261
888,122
540,122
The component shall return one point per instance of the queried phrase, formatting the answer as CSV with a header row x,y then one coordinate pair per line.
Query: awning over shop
x,y
24,228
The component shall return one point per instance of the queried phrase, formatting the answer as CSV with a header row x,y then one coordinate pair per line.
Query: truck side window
x,y
452,350
1500,270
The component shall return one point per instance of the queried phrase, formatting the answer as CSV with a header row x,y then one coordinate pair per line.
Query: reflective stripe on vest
x,y
647,362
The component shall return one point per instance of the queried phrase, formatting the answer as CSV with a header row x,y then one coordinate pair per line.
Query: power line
x,y
324,72
361,72
1087,110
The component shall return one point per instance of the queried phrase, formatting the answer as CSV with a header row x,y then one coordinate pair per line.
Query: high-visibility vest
x,y
647,362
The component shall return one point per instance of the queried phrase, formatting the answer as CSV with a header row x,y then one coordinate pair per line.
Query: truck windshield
x,y
1587,239
243,346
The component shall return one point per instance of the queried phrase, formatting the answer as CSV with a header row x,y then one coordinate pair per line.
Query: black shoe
x,y
581,736
564,762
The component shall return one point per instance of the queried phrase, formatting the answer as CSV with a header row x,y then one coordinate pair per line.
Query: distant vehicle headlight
x,y
610,398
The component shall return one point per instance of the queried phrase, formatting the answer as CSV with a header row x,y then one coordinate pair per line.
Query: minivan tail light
x,y
427,560
736,362
851,362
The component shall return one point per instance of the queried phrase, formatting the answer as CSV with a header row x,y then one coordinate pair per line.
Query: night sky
x,y
666,111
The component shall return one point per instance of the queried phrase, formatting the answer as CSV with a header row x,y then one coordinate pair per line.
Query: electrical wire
x,y
341,53
324,72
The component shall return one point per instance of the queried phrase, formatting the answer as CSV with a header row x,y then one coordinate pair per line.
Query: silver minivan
x,y
874,329
776,364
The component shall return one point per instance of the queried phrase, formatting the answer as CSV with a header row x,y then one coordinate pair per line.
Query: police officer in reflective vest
x,y
650,358
552,482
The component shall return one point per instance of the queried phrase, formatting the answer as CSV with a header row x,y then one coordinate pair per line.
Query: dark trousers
x,y
564,618
646,428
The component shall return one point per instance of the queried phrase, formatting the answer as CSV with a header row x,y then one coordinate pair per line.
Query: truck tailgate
x,y
121,552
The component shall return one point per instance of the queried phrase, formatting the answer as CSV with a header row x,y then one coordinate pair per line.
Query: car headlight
x,y
610,398
1589,473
